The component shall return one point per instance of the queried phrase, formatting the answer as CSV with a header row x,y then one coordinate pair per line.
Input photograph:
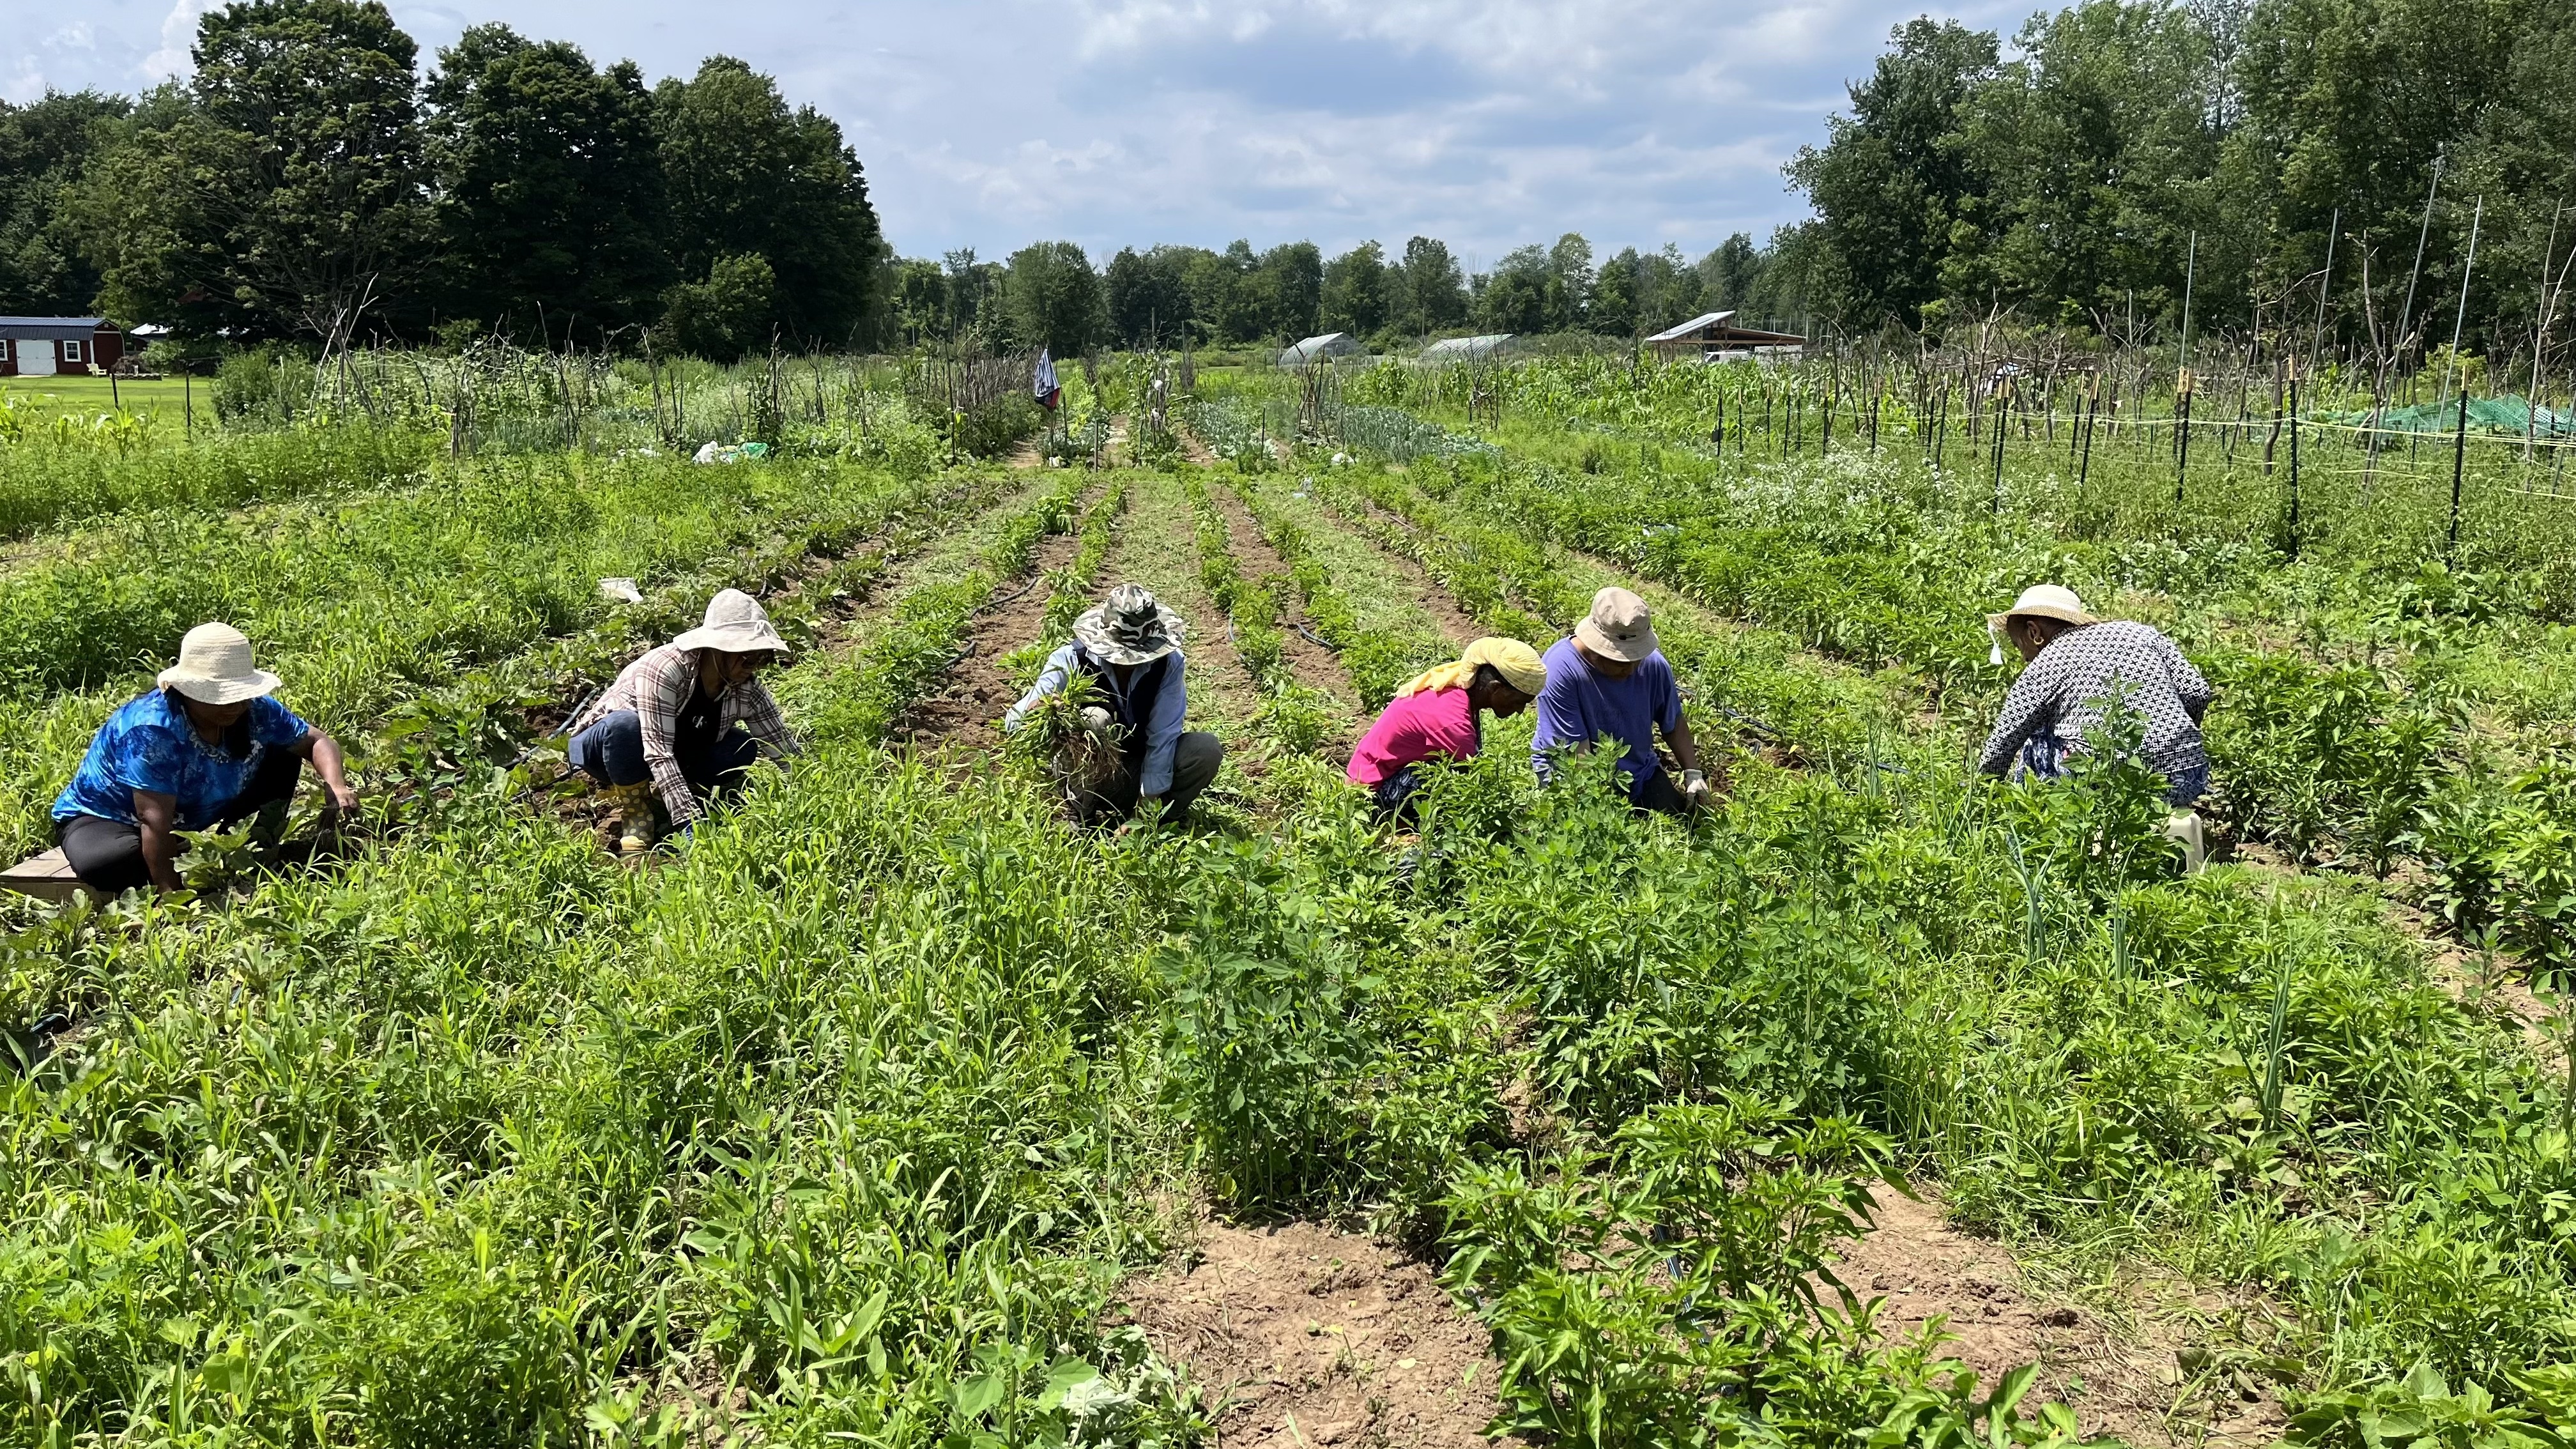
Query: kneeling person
x,y
1139,754
1439,714
688,717
1611,681
210,747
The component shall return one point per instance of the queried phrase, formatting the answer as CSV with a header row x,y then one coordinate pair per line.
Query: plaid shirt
x,y
657,687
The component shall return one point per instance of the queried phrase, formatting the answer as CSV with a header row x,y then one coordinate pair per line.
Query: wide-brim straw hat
x,y
736,624
1618,627
2045,601
1131,627
215,667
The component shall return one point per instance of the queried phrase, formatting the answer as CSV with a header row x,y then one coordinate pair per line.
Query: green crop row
x,y
47,483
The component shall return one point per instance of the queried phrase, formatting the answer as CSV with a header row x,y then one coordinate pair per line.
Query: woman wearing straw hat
x,y
2078,665
210,747
690,716
1439,714
1129,651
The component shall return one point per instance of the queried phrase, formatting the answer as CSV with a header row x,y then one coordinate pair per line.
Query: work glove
x,y
1095,719
1695,787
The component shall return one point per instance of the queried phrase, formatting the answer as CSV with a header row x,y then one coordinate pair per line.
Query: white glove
x,y
1694,784
1094,717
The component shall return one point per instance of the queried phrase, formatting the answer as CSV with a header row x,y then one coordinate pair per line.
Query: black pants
x,y
1194,765
1662,797
107,855
611,751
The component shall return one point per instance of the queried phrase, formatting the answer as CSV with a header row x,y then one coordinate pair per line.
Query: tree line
x,y
2282,162
1169,296
307,183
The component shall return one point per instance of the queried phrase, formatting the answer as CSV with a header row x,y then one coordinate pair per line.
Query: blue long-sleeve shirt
x,y
1162,729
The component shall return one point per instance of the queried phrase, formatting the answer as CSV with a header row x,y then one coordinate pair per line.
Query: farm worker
x,y
1439,713
209,747
2076,666
688,717
1610,681
1137,757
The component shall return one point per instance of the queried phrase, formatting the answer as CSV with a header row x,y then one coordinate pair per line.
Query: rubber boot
x,y
2185,826
630,829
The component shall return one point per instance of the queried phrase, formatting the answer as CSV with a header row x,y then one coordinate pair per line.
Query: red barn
x,y
45,346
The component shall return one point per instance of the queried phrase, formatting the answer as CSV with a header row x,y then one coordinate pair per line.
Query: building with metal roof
x,y
1714,337
46,346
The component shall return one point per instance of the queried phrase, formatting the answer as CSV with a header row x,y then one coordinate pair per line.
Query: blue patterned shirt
x,y
149,745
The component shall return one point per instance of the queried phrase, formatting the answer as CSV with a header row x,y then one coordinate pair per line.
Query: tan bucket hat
x,y
2045,601
215,667
735,624
1618,627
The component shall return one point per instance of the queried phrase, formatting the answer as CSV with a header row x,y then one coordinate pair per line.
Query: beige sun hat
x,y
2039,601
735,624
1130,627
1618,627
215,668
2045,601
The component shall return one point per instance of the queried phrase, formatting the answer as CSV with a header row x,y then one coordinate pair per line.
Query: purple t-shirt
x,y
1579,706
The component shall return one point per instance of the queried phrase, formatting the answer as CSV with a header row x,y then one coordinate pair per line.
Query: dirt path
x,y
1159,549
2120,1377
968,709
1309,663
1300,1336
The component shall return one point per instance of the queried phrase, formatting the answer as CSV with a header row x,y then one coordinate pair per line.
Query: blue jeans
x,y
611,751
2044,756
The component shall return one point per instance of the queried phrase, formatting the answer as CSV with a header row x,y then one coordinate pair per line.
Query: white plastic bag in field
x,y
621,590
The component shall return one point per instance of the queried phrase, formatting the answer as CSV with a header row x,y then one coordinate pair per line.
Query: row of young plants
x,y
364,603
2278,1097
57,478
1295,715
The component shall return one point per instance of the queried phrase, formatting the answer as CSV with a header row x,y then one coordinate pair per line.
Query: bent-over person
x,y
688,719
209,747
2077,665
1132,754
1439,714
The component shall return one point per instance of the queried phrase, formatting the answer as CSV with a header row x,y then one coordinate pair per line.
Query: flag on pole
x,y
1043,384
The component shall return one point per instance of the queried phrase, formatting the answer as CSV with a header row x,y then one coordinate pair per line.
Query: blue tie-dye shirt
x,y
149,745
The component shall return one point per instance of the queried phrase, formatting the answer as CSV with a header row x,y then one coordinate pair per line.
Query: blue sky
x,y
991,123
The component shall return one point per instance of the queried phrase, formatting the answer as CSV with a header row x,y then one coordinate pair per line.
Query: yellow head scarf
x,y
1516,662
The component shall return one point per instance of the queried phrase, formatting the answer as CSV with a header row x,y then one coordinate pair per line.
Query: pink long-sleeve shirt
x,y
1414,728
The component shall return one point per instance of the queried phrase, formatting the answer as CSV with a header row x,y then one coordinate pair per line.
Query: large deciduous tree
x,y
749,176
1433,291
1892,178
44,148
1055,298
550,203
288,196
1357,291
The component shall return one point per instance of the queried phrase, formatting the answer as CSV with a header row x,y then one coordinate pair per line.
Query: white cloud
x,y
178,37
